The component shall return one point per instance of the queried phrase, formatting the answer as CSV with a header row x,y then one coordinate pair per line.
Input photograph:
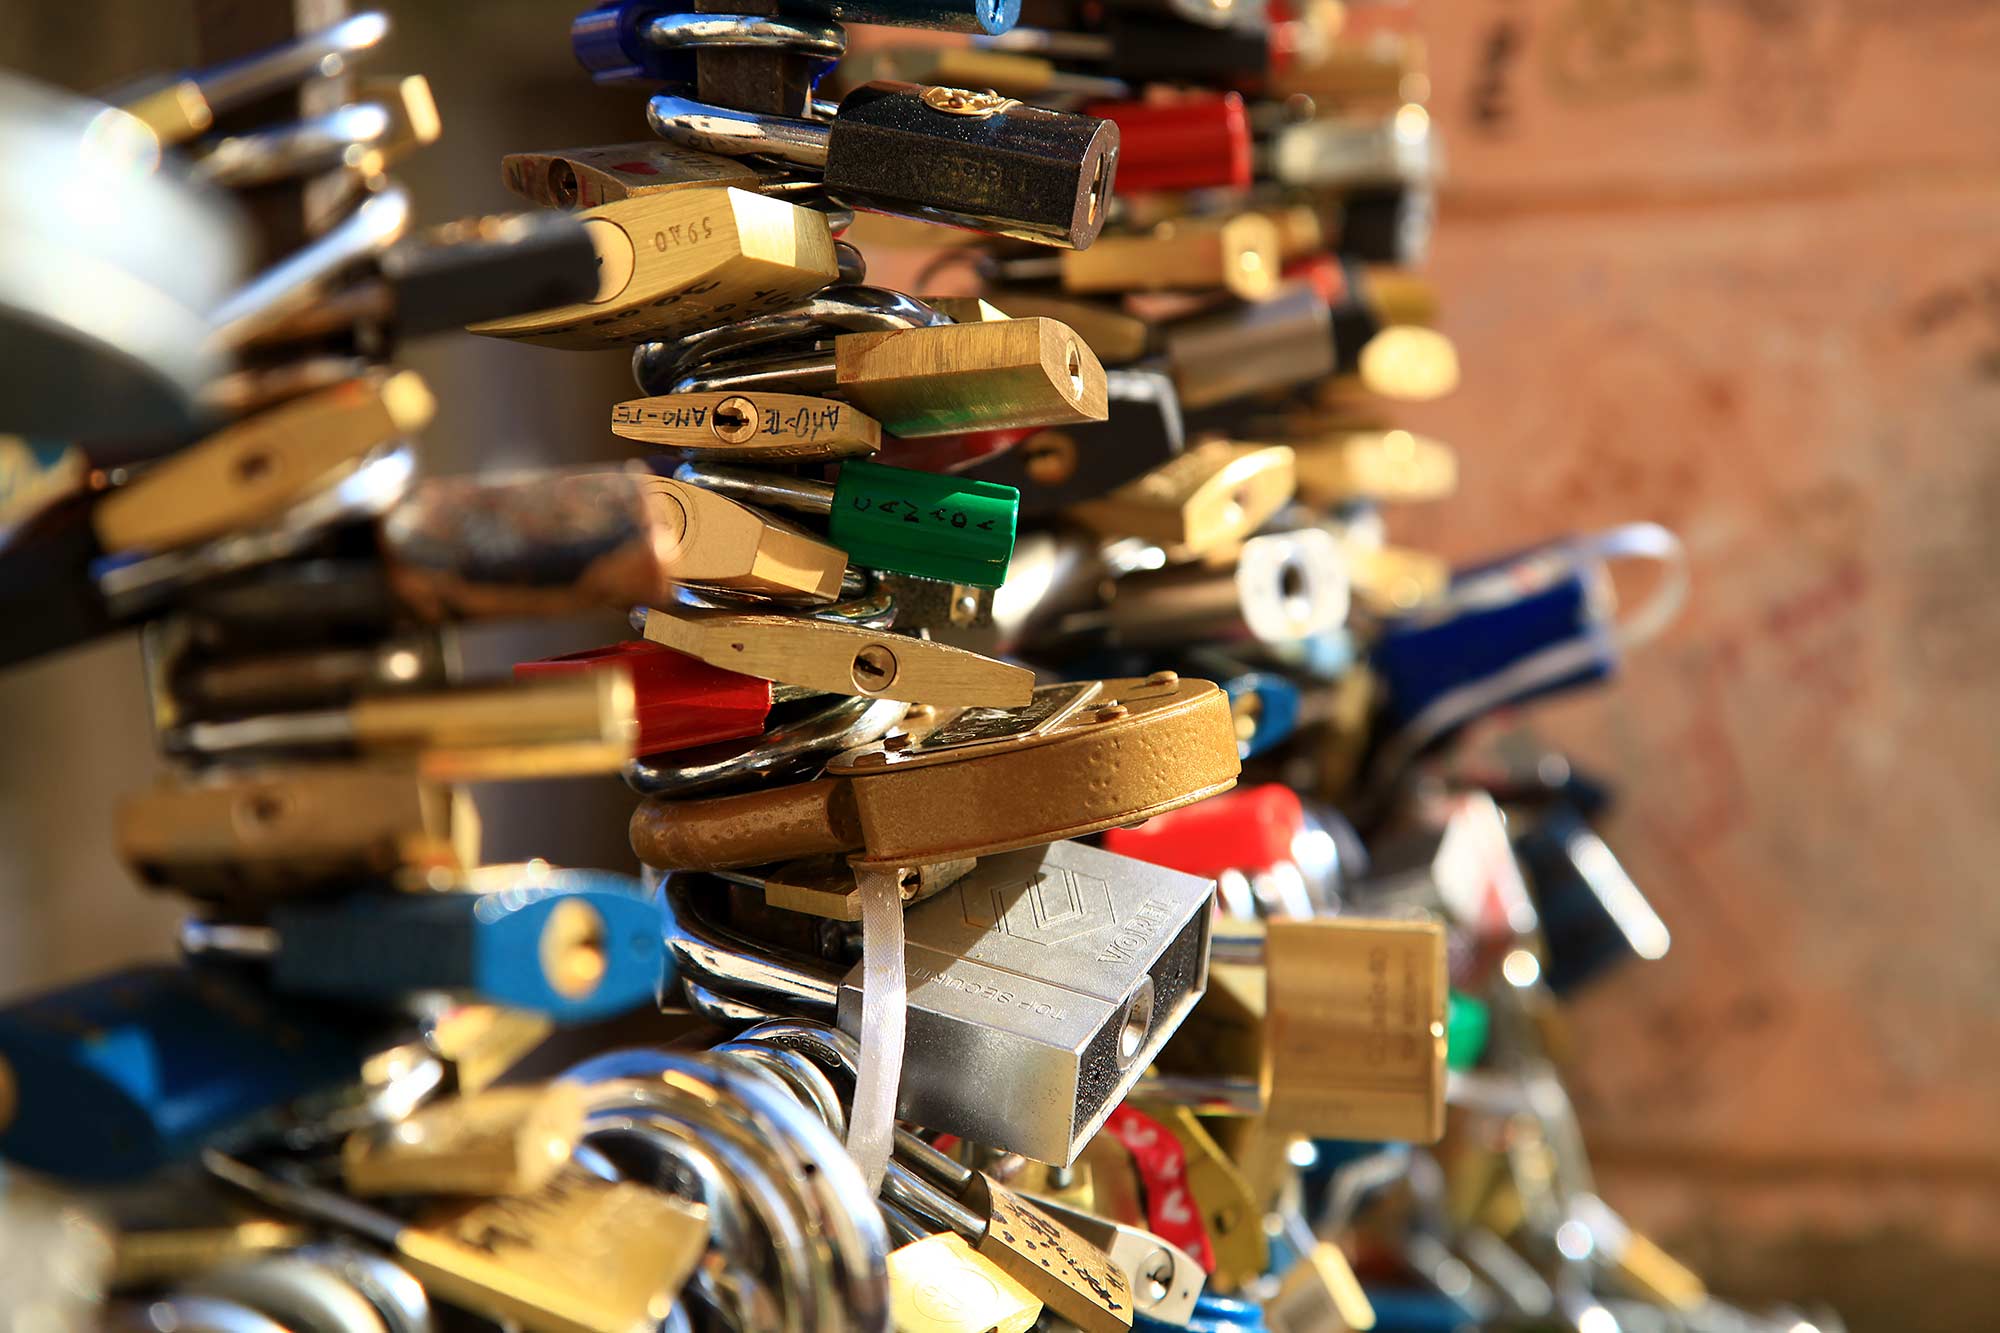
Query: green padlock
x,y
928,524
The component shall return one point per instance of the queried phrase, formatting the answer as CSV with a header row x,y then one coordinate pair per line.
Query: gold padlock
x,y
502,1141
681,261
942,1285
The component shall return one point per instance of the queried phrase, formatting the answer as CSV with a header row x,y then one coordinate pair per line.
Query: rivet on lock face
x,y
965,102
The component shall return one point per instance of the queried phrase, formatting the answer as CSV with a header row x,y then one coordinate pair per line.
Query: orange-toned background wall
x,y
1729,264
1736,267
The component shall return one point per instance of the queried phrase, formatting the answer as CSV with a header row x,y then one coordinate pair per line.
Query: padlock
x,y
114,1076
1373,66
241,475
1009,72
1319,1294
445,278
279,830
1081,757
1511,630
1251,347
944,528
940,1284
680,701
549,727
1250,828
1165,1280
576,945
1344,1028
1144,46
1195,142
1285,588
1267,707
1116,337
679,261
1386,224
1056,469
203,683
1231,1214
1206,499
578,1255
716,543
1352,151
557,543
588,177
502,1141
970,159
1391,465
749,427
628,40
825,886
254,469
1237,254
839,658
1160,1166
1073,1278
1094,959
942,379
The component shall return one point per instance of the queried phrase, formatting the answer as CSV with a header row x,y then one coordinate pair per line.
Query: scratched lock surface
x,y
1731,267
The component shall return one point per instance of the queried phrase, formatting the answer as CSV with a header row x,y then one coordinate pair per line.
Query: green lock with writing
x,y
929,524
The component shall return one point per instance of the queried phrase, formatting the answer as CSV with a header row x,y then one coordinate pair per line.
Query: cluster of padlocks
x,y
1061,906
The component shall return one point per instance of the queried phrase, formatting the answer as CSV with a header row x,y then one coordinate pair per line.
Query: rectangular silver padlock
x,y
1041,985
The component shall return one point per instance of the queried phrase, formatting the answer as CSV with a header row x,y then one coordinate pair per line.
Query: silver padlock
x,y
1060,970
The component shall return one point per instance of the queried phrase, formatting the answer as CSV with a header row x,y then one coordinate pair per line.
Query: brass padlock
x,y
750,427
296,828
840,659
683,261
502,1141
1082,757
1213,495
942,1285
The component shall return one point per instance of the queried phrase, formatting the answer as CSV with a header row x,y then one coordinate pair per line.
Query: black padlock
x,y
1054,469
966,159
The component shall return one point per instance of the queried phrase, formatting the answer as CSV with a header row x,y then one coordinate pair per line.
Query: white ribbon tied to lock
x,y
871,1124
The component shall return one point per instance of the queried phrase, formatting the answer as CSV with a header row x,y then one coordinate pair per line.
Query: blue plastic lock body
x,y
1270,702
1502,634
118,1075
576,945
1593,916
613,42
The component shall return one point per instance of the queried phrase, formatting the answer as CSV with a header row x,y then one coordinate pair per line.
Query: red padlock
x,y
681,701
1191,143
1248,830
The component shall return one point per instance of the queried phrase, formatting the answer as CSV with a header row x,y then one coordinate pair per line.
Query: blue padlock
x,y
108,1079
576,945
1269,702
1526,626
646,40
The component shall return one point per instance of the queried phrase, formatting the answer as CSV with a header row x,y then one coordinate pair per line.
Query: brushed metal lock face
x,y
1041,986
